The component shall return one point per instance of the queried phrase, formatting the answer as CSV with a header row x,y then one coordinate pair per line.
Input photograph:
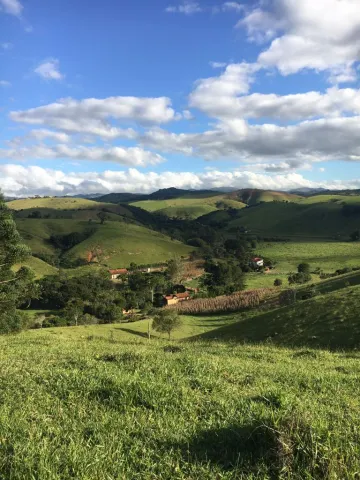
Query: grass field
x,y
102,402
123,244
56,203
326,321
185,207
39,267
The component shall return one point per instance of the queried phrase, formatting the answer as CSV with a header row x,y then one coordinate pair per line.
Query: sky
x,y
133,96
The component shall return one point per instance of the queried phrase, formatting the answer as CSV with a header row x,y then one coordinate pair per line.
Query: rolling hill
x,y
307,218
124,238
326,321
255,196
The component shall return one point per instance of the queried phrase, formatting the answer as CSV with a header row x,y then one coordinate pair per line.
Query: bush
x,y
278,282
299,278
304,268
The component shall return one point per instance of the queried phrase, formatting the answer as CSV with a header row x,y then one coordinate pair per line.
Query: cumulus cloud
x,y
215,95
309,141
320,35
133,156
93,116
50,70
17,180
333,102
12,7
187,8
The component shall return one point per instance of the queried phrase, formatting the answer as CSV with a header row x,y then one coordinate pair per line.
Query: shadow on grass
x,y
244,449
133,332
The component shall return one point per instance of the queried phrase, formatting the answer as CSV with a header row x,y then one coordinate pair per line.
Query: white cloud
x,y
133,156
94,116
187,7
40,135
5,83
6,45
12,7
333,102
49,70
307,142
17,180
217,64
215,95
322,35
233,6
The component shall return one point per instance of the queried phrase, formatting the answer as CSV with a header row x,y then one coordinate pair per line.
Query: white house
x,y
257,262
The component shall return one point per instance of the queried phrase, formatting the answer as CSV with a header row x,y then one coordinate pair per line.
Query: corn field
x,y
230,303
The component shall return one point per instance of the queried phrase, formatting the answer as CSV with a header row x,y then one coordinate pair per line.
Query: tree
x,y
278,282
73,310
299,278
13,286
304,268
103,216
174,270
355,236
166,321
223,277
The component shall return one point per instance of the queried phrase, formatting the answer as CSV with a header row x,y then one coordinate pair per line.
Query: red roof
x,y
118,271
257,259
182,295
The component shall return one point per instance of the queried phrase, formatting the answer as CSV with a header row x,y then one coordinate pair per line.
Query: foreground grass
x,y
100,407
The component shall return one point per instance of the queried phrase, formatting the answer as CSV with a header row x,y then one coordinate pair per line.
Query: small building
x,y
176,298
257,262
117,273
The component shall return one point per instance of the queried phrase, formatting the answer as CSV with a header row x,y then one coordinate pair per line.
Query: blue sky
x,y
137,95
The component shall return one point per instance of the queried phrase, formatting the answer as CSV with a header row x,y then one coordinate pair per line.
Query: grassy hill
x,y
123,244
39,267
255,196
100,402
190,206
326,321
307,220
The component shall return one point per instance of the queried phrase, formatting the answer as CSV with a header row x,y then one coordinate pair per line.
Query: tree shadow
x,y
133,332
244,449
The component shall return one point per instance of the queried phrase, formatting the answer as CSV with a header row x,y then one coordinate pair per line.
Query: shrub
x,y
278,282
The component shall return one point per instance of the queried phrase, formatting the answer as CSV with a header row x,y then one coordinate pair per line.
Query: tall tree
x,y
14,287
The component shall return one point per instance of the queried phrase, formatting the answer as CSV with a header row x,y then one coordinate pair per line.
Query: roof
x,y
118,271
182,295
257,259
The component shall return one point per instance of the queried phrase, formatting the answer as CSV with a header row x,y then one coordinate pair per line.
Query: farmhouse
x,y
257,262
117,272
176,298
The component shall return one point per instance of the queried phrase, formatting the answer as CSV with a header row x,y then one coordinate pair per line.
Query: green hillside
x,y
255,196
99,402
39,267
190,206
327,321
123,244
322,220
57,203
